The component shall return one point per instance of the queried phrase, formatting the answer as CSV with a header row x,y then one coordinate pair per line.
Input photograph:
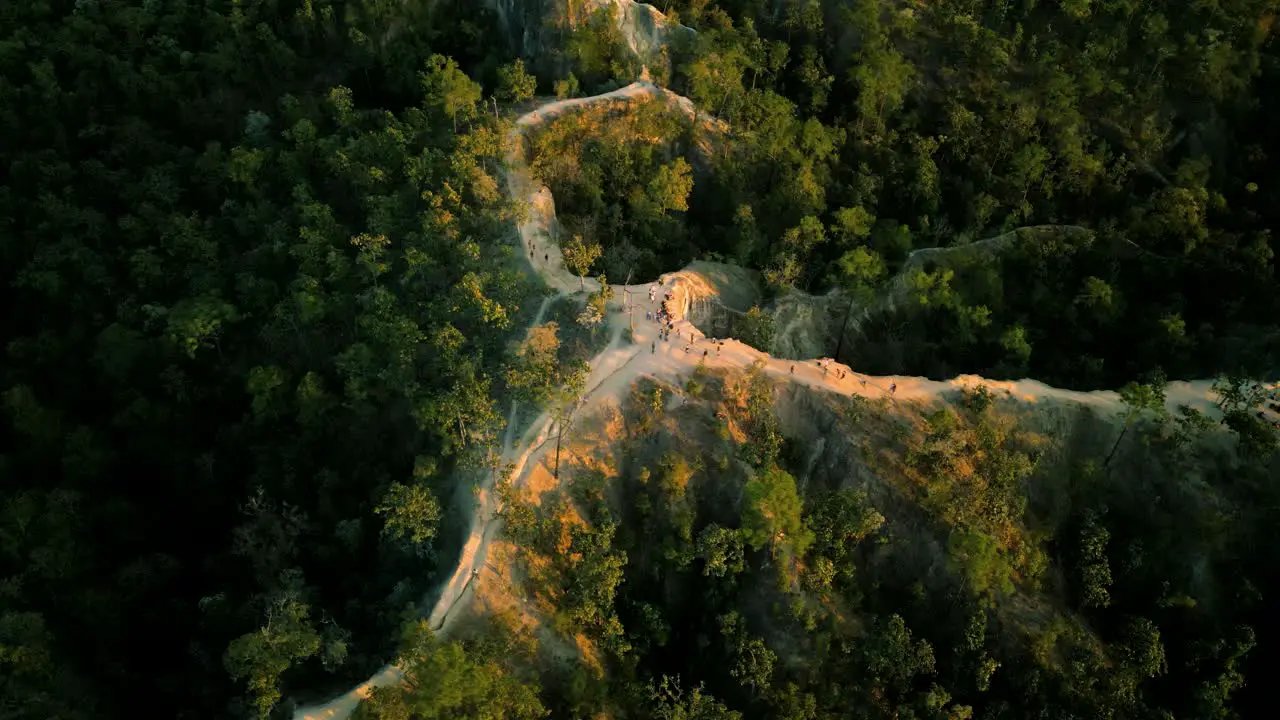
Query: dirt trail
x,y
616,367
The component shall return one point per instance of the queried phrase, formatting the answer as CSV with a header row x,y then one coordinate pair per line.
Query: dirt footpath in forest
x,y
615,368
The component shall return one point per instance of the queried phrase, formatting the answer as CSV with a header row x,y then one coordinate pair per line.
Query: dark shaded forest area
x,y
255,287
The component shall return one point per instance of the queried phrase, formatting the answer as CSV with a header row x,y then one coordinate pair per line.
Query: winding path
x,y
615,368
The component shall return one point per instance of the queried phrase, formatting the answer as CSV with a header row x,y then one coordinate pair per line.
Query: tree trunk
x,y
559,434
1107,463
844,325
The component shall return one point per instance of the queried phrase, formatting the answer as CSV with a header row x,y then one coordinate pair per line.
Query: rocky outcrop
x,y
529,25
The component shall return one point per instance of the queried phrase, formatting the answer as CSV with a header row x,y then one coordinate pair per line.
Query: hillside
x,y
542,563
940,381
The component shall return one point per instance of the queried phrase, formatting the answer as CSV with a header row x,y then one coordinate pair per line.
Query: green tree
x,y
262,656
756,328
535,371
448,89
514,83
580,255
1138,399
859,271
670,187
839,522
412,515
1017,348
446,680
721,549
772,513
568,87
565,404
753,661
668,702
1093,567
893,657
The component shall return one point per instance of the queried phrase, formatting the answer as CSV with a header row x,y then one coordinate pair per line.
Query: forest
x,y
951,565
262,287
861,131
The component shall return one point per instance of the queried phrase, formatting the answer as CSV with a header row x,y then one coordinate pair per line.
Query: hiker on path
x,y
793,369
653,347
893,387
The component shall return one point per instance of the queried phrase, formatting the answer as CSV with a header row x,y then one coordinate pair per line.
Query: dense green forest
x,y
257,287
862,130
260,282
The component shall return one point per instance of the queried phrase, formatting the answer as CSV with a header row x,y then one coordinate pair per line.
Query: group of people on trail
x,y
826,365
841,374
546,257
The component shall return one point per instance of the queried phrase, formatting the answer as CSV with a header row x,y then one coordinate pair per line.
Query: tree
x,y
1017,347
984,565
756,329
772,513
859,272
264,655
1093,568
514,83
721,550
447,88
669,702
893,657
535,370
567,88
580,255
853,224
566,403
449,680
839,522
1138,398
196,324
670,187
412,515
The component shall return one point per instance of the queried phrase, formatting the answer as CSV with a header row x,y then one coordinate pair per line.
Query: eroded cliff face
x,y
531,25
524,22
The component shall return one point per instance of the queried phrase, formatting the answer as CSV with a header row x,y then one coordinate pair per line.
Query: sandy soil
x,y
616,367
